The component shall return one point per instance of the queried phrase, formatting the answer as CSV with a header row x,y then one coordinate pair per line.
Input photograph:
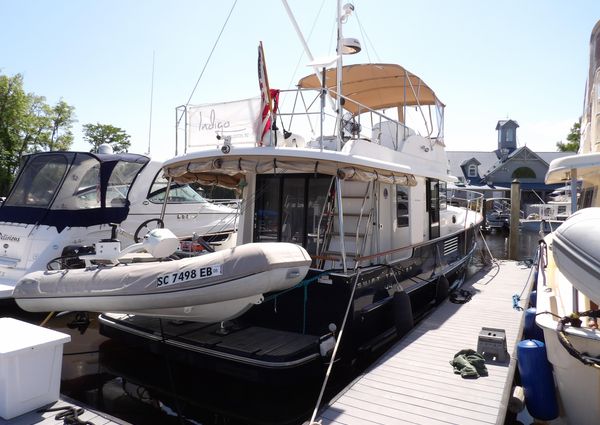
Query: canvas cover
x,y
576,250
228,171
376,86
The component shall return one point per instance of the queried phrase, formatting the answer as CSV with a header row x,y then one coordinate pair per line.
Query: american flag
x,y
265,94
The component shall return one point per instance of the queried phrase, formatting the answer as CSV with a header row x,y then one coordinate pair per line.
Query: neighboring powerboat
x,y
547,217
497,214
64,202
568,289
568,285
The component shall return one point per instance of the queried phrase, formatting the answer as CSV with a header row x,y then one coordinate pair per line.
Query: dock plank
x,y
413,383
48,418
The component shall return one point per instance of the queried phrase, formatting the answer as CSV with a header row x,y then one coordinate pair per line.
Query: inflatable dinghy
x,y
208,288
576,250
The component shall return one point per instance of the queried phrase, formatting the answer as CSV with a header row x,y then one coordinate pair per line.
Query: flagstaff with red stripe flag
x,y
268,97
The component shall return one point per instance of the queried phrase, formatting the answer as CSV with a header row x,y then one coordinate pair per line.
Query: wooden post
x,y
515,208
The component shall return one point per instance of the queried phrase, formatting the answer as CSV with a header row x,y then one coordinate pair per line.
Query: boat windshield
x,y
87,192
72,189
39,181
178,193
51,181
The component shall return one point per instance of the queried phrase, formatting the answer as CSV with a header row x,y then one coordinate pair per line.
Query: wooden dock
x,y
48,418
414,383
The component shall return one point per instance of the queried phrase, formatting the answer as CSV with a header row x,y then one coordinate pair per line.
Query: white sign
x,y
238,121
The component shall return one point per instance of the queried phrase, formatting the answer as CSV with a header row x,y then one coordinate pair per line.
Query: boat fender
x,y
402,311
533,299
326,346
516,403
530,329
537,379
442,289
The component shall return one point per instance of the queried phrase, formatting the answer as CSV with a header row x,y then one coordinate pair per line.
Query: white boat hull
x,y
578,385
224,284
536,225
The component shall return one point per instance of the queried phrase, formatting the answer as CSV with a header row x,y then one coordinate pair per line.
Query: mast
x,y
342,47
338,139
338,79
151,103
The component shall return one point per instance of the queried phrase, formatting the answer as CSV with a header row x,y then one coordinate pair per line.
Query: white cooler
x,y
30,366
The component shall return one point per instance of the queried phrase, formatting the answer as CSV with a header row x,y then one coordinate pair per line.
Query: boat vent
x,y
450,246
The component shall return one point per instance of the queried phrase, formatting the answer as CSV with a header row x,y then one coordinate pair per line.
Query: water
x,y
498,244
144,388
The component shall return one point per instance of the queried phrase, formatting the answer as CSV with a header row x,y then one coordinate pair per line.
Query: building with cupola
x,y
493,172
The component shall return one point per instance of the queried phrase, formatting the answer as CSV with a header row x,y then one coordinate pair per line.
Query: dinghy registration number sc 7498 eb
x,y
187,275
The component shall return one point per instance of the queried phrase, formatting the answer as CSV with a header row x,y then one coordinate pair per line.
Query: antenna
x,y
151,102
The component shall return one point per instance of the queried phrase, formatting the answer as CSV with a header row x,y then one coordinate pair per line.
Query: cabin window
x,y
472,172
39,181
432,193
289,208
443,195
402,203
178,193
293,210
267,209
88,191
523,173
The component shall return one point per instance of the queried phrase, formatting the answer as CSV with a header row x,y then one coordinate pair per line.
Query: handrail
x,y
325,209
474,205
401,127
358,222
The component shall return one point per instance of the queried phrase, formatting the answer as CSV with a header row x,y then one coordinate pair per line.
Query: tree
x,y
97,134
28,124
61,118
18,113
47,128
573,139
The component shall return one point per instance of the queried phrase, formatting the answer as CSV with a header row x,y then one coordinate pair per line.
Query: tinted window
x,y
119,183
290,208
39,181
402,203
178,193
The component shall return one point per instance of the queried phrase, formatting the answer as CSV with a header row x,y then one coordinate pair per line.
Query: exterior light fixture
x,y
350,46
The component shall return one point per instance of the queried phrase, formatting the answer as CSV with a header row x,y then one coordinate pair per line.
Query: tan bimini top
x,y
376,86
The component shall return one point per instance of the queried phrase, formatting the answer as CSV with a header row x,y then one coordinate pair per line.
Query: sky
x,y
131,63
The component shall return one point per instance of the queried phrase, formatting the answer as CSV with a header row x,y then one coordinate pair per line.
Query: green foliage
x,y
97,134
28,124
13,106
61,118
573,139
